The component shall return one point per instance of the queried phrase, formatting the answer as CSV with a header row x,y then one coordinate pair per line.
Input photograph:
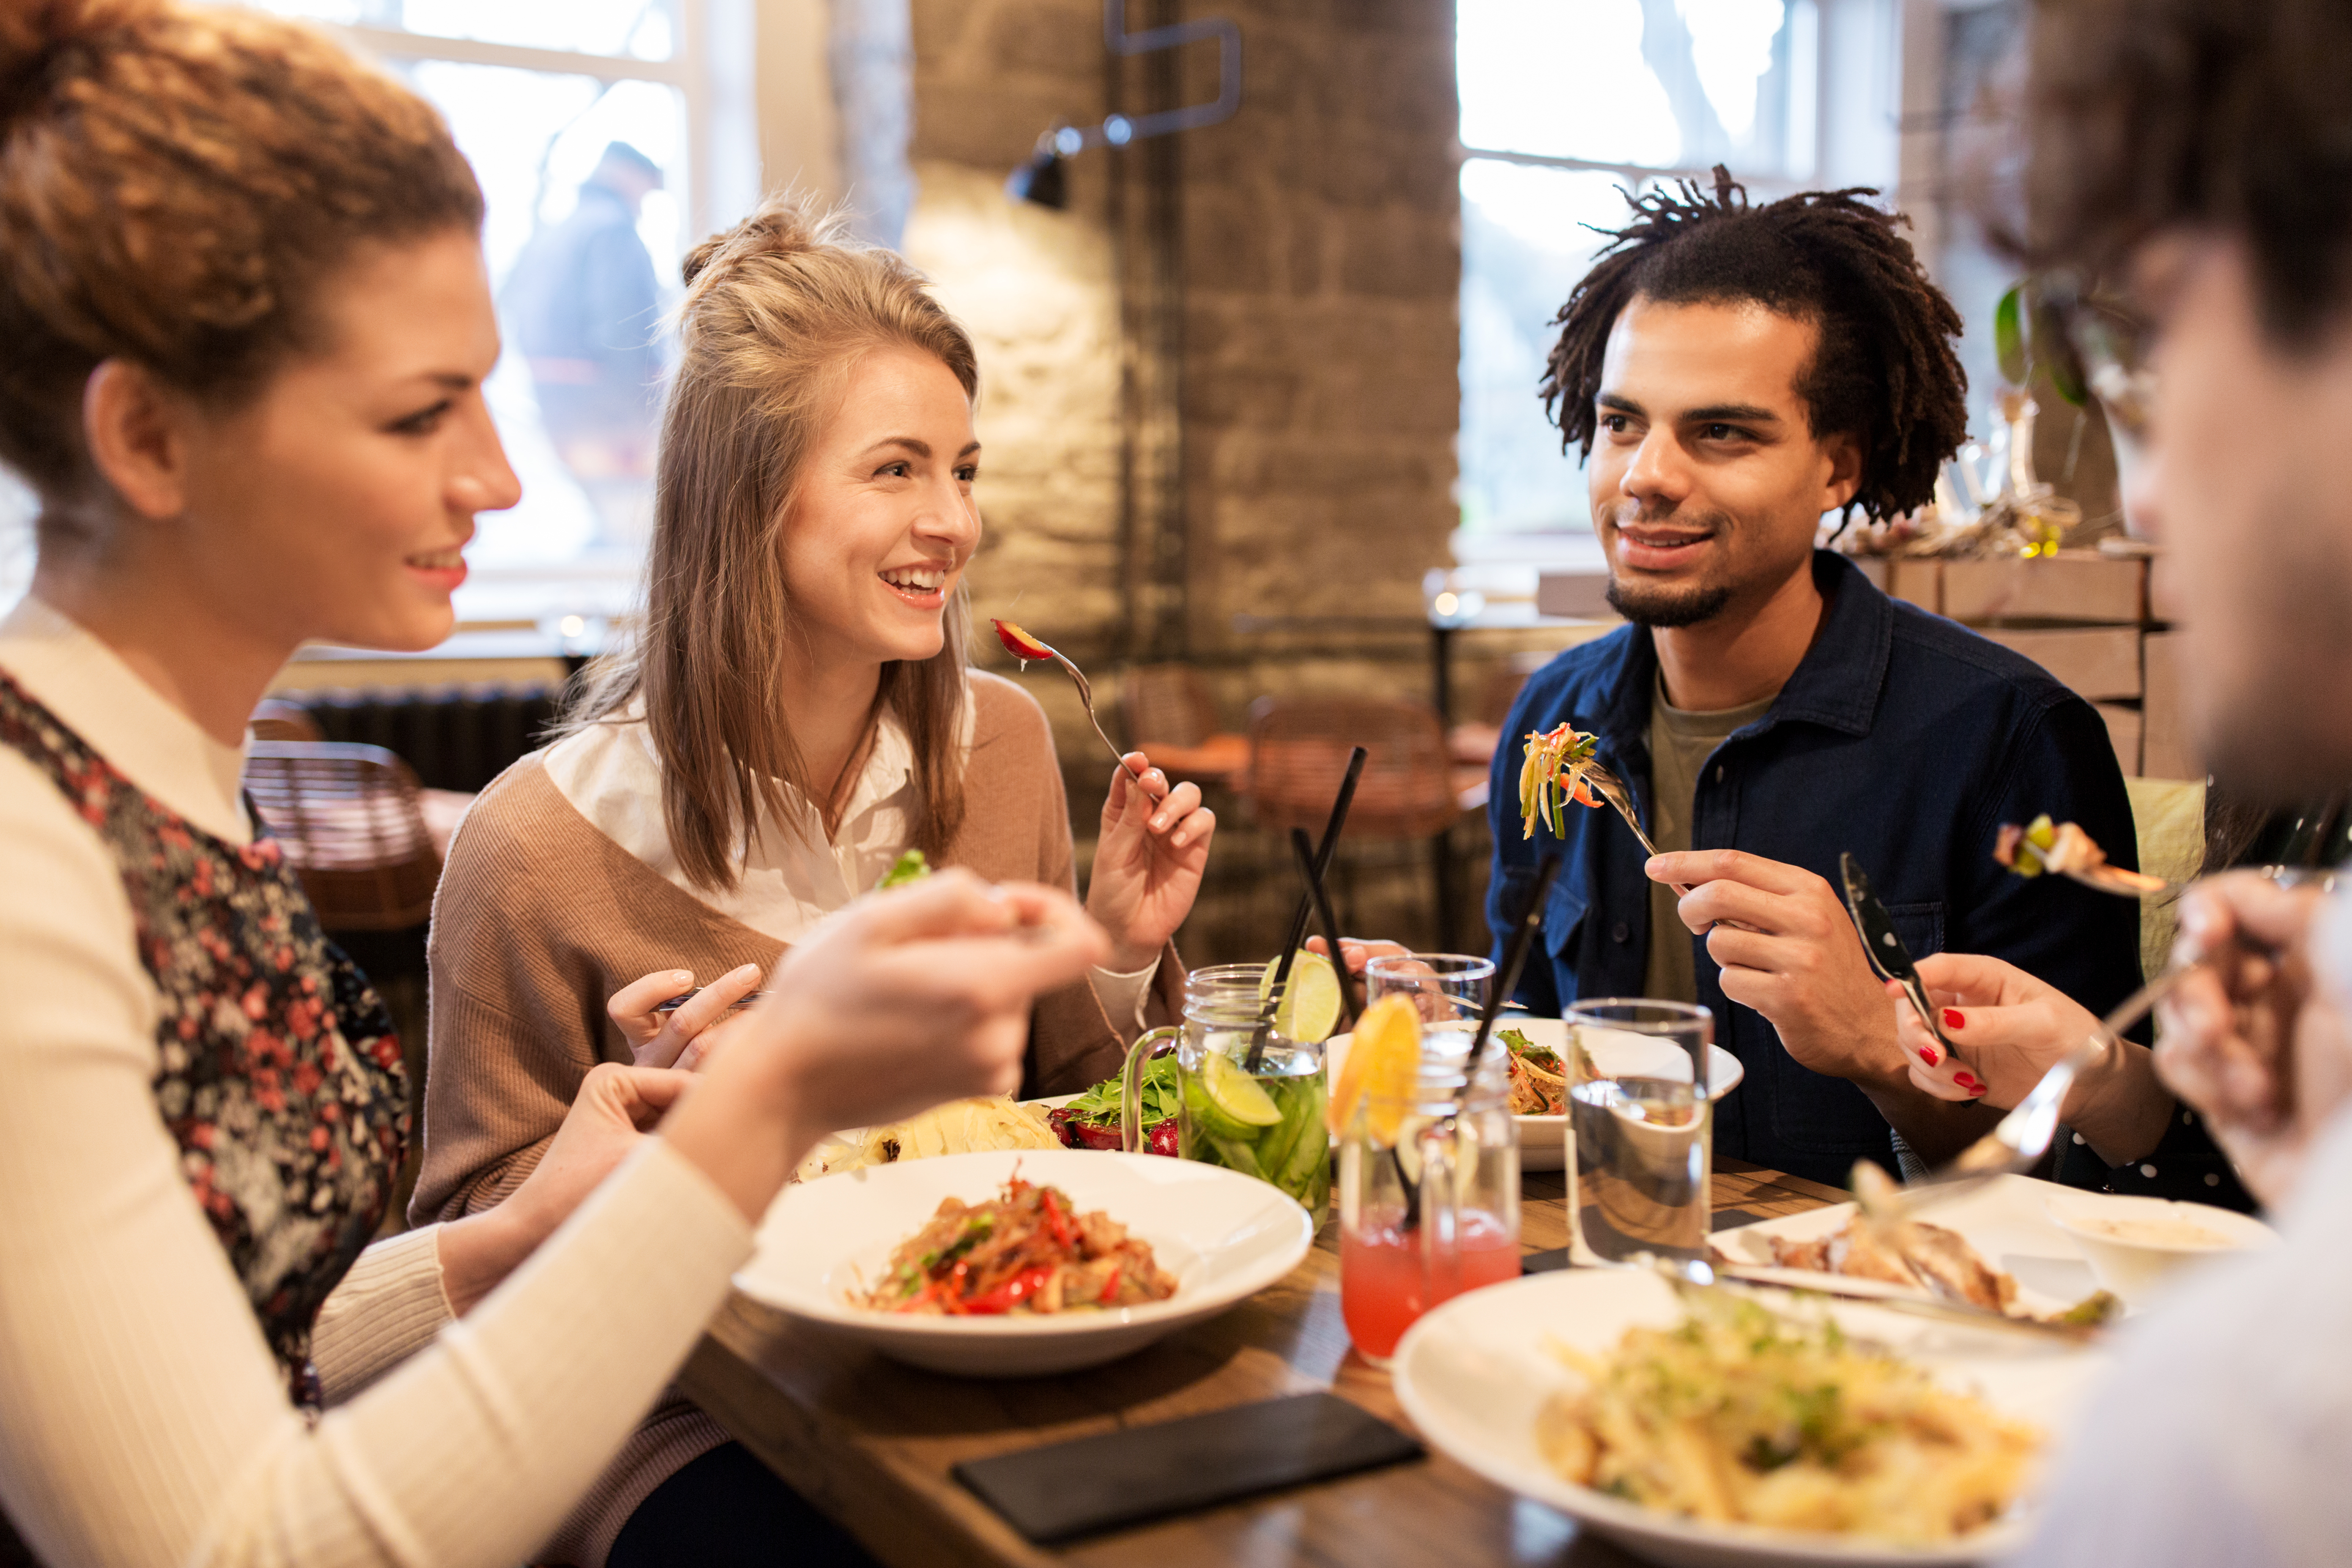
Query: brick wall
x,y
1318,263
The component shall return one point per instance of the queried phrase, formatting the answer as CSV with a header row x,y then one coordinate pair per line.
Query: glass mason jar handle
x,y
1439,1199
1130,1098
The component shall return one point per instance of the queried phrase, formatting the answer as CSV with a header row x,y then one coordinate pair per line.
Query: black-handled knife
x,y
1887,953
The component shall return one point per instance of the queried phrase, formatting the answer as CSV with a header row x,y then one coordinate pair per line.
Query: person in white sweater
x,y
248,326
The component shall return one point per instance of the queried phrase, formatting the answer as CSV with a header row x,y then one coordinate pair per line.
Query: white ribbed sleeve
x,y
143,1420
387,1309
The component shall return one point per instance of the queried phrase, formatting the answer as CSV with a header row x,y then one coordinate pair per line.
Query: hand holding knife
x,y
1885,950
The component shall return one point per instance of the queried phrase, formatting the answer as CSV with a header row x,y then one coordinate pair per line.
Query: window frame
x,y
1842,90
711,68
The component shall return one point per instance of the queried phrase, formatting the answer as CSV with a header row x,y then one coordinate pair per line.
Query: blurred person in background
x,y
2192,158
583,306
247,318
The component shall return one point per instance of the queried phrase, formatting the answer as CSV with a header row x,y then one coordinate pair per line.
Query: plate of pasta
x,y
1762,1428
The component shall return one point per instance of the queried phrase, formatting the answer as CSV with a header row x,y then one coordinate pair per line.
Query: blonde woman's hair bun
x,y
787,224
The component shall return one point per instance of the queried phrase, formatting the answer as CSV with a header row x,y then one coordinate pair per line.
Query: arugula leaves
x,y
1156,1087
908,868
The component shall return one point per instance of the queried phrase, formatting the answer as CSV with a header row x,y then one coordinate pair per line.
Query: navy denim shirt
x,y
1903,738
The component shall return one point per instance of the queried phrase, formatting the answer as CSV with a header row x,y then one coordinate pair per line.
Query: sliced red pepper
x,y
1011,1293
1058,1223
1020,644
1110,1289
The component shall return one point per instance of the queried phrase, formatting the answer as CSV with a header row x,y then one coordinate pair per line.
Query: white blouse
x,y
794,875
142,1418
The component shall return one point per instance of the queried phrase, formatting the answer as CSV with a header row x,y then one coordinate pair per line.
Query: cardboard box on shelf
x,y
2073,586
2101,663
1915,582
2124,730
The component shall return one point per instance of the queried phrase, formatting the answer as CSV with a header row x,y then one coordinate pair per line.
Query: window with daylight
x,y
1566,105
608,136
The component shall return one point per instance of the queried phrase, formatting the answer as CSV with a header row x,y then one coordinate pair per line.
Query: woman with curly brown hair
x,y
246,321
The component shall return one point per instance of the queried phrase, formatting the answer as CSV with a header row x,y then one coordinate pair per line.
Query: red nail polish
x,y
1952,1019
1966,1081
1927,1055
1977,1088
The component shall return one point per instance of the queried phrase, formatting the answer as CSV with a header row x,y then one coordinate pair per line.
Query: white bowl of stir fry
x,y
1735,1427
1016,1263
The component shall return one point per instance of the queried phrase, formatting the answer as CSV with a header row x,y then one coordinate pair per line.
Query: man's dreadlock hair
x,y
1883,369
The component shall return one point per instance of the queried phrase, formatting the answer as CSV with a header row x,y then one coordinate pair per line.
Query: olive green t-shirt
x,y
1680,743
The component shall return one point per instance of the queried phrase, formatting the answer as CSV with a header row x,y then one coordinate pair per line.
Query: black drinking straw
x,y
1338,820
1514,959
1350,1008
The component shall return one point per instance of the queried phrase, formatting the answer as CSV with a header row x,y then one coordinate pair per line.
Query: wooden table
x,y
872,1442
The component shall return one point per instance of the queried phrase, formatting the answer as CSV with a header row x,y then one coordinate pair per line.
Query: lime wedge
x,y
1310,1003
1235,1096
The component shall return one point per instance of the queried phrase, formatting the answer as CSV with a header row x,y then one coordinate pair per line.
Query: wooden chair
x,y
1171,716
1298,753
1409,788
278,719
352,824
1473,742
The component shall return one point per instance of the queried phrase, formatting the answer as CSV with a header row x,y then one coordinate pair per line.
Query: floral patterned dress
x,y
279,1076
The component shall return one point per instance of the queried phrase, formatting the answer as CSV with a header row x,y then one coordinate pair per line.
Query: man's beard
x,y
1663,605
1647,607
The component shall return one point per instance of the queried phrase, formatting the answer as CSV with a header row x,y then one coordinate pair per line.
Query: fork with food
x,y
2063,849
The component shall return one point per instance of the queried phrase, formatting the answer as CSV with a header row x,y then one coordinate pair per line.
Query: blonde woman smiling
x,y
797,712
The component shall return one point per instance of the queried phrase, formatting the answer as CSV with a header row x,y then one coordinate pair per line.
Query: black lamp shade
x,y
1043,180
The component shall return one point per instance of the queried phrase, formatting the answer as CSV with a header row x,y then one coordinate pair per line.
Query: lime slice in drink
x,y
1233,1097
1310,1001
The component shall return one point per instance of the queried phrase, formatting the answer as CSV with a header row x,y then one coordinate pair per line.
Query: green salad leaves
x,y
908,868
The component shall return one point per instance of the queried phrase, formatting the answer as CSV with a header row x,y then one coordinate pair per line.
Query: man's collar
x,y
1835,685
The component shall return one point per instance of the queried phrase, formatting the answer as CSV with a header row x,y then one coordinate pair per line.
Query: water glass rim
x,y
1464,965
1676,1014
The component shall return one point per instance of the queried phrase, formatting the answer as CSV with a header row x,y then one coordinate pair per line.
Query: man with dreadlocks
x,y
1735,373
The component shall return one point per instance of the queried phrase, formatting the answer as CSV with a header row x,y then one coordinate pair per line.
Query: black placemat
x,y
1065,1490
1556,1257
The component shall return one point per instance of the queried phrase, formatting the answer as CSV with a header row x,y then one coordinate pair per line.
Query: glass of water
x,y
1448,989
1638,1128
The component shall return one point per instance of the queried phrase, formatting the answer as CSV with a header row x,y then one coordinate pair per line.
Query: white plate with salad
x,y
1543,1139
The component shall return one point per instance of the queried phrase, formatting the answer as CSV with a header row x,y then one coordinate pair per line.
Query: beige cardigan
x,y
541,917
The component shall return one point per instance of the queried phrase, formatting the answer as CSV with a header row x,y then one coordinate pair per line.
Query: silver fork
x,y
2025,1135
1612,790
1086,700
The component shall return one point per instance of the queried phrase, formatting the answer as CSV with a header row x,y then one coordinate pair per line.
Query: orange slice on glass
x,y
1383,1062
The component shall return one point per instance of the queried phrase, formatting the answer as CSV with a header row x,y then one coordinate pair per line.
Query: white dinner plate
x,y
1473,1374
2005,1220
1543,1139
1223,1236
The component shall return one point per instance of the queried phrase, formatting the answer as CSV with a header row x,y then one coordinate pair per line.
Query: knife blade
x,y
1893,1299
1887,951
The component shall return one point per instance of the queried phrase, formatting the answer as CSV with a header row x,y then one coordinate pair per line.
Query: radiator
x,y
453,737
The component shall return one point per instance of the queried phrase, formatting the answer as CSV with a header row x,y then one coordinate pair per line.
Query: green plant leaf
x,y
2008,336
2055,355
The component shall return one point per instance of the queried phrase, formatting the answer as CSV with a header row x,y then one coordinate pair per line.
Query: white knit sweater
x,y
143,1420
